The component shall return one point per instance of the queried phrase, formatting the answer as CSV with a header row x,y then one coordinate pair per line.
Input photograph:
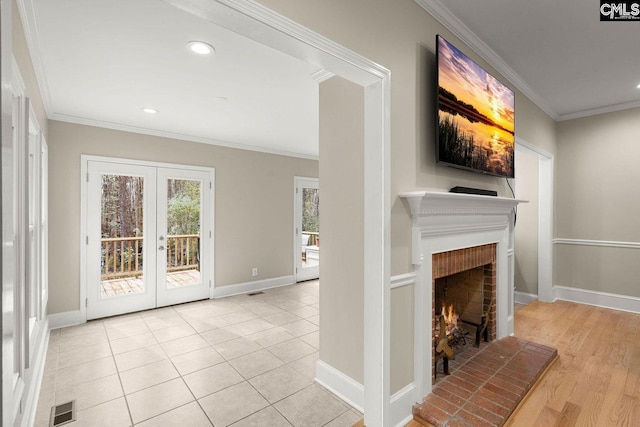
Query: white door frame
x,y
299,182
545,220
249,18
126,303
85,159
166,296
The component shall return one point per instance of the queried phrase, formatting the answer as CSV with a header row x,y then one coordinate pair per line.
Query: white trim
x,y
36,373
401,405
440,12
256,286
401,280
546,167
599,243
545,218
340,384
599,110
525,298
91,158
526,144
177,136
321,76
598,299
66,318
28,18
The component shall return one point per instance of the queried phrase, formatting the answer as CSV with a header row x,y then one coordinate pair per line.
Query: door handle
x,y
161,238
161,248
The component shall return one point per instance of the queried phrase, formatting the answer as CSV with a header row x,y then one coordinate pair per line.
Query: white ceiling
x,y
103,61
100,62
558,52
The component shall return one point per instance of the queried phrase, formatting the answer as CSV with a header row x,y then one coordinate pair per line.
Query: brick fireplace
x,y
465,280
453,233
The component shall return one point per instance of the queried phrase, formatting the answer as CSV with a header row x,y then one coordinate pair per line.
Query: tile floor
x,y
239,361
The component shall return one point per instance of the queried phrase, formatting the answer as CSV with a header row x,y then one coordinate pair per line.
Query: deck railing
x,y
314,238
122,256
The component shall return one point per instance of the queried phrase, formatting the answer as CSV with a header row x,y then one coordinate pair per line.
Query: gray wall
x,y
597,184
342,267
253,203
401,36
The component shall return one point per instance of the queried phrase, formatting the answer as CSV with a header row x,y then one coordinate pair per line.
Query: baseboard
x,y
598,299
64,319
401,406
247,287
35,374
525,298
340,384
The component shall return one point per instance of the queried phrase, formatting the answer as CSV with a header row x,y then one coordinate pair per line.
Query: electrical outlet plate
x,y
254,271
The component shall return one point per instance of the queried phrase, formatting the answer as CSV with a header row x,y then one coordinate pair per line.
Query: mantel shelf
x,y
441,202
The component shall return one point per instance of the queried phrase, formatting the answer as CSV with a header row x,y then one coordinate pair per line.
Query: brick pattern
x,y
465,292
486,389
454,262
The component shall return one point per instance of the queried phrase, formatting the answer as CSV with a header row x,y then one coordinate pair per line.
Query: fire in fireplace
x,y
463,302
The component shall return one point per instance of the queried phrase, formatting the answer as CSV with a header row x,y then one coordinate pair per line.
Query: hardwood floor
x,y
596,381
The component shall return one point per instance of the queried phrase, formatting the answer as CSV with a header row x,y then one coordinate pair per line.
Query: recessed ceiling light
x,y
201,48
150,110
638,86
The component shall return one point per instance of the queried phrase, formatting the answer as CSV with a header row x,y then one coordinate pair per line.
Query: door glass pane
x,y
310,227
122,229
183,232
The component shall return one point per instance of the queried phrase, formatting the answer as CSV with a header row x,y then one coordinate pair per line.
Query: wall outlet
x,y
254,271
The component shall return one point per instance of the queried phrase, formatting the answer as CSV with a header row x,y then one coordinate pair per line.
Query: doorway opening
x,y
148,239
307,229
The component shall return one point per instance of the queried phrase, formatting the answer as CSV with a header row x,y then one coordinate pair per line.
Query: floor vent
x,y
255,293
63,414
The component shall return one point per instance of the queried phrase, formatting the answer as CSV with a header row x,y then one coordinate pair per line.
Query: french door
x,y
307,228
149,236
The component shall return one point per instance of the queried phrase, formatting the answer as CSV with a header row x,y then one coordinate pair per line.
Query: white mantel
x,y
443,203
443,222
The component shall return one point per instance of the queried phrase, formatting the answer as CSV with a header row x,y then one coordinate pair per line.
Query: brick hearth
x,y
488,387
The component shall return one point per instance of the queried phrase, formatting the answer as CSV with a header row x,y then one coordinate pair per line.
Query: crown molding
x,y
178,136
599,110
28,18
436,9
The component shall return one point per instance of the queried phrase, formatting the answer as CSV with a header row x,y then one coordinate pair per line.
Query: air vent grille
x,y
63,414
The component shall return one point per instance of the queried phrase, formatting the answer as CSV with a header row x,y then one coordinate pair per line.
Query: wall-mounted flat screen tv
x,y
475,123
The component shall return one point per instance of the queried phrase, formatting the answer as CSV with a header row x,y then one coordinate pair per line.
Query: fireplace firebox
x,y
464,300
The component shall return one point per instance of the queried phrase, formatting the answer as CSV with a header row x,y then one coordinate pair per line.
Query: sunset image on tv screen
x,y
475,115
